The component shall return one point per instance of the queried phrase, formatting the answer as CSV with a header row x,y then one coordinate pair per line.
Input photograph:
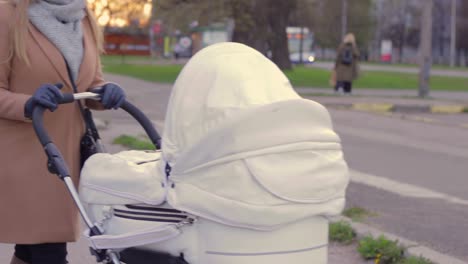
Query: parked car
x,y
308,57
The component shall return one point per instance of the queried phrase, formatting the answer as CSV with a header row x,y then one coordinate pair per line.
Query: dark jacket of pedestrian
x,y
347,69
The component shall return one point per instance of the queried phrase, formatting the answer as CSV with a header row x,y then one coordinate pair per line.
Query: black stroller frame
x,y
57,165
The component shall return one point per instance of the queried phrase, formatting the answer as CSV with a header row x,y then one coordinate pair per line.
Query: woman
x,y
346,65
43,42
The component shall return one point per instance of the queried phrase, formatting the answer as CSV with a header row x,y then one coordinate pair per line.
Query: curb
x,y
413,248
401,108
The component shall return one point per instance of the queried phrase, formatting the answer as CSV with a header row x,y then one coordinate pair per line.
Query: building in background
x,y
203,36
121,43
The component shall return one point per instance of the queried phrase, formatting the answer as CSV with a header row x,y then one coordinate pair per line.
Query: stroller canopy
x,y
218,82
244,148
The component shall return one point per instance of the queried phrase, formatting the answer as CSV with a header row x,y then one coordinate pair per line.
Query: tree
x,y
398,21
327,21
260,24
462,28
327,28
278,18
122,13
251,27
179,14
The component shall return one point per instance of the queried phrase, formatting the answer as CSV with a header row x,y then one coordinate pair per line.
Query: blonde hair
x,y
350,38
20,29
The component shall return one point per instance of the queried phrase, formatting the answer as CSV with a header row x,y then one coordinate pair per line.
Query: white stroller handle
x,y
87,95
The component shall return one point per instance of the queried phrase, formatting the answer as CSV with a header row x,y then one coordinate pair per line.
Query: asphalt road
x,y
412,174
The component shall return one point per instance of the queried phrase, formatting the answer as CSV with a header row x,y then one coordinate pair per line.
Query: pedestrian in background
x,y
46,47
177,50
346,65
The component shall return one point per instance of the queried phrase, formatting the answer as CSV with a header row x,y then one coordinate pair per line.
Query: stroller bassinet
x,y
247,173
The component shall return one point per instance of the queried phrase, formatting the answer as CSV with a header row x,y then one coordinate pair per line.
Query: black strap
x,y
144,256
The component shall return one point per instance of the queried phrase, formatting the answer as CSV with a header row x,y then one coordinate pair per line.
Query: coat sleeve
x,y
11,104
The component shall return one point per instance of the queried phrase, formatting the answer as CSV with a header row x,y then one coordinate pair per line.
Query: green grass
x,y
435,66
313,77
357,214
152,73
301,77
382,249
134,143
118,59
341,232
409,65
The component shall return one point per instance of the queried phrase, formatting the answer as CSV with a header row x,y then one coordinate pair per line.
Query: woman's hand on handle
x,y
112,96
47,95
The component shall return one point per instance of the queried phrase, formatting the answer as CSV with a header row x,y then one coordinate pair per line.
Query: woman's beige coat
x,y
34,204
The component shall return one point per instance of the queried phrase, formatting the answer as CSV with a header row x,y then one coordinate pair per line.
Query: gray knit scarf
x,y
60,22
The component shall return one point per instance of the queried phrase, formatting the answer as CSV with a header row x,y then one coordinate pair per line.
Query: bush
x,y
416,260
386,251
134,143
341,232
357,213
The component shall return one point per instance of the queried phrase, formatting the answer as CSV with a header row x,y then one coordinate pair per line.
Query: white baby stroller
x,y
247,173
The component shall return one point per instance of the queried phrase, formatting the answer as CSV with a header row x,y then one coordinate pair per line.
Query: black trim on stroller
x,y
151,214
162,220
155,209
141,256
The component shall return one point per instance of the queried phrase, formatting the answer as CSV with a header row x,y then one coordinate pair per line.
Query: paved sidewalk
x,y
390,100
451,96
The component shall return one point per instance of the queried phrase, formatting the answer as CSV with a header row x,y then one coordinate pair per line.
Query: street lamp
x,y
425,49
453,33
344,18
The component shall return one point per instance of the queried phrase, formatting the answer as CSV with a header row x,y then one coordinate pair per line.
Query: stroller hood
x,y
240,148
245,149
218,82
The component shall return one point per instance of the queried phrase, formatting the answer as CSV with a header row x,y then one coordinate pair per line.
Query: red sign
x,y
386,58
125,44
157,28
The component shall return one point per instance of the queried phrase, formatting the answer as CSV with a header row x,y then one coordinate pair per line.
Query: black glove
x,y
47,95
112,96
